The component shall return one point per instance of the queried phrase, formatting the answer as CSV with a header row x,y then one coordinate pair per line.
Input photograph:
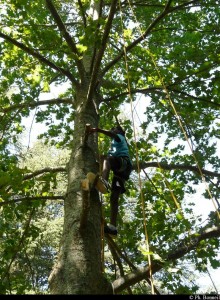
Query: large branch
x,y
187,95
36,104
38,56
43,198
42,171
116,251
102,48
127,49
164,166
158,89
185,246
32,175
82,12
65,34
167,10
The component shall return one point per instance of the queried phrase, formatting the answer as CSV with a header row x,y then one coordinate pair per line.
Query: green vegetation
x,y
109,55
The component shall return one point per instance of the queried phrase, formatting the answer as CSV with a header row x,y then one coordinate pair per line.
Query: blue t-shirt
x,y
119,148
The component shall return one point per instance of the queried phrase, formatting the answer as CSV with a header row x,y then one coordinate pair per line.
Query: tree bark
x,y
79,266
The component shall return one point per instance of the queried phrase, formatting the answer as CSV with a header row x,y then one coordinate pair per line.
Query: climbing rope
x,y
136,148
176,114
135,139
102,222
137,158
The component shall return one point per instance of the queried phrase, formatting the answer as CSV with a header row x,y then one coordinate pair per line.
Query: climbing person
x,y
118,161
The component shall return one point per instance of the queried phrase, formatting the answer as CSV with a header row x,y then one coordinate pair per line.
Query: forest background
x,y
110,55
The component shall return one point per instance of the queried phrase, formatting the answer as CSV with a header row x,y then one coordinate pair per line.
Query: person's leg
x,y
111,228
106,167
114,198
109,163
112,163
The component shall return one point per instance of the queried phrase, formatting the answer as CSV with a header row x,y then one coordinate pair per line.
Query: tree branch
x,y
82,12
143,165
98,60
65,34
167,10
113,247
185,246
45,170
43,198
127,49
165,166
159,89
39,57
36,104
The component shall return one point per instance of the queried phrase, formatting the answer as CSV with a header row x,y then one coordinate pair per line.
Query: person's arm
x,y
106,132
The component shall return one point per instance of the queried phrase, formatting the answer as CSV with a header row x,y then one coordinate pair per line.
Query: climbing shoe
x,y
111,230
106,184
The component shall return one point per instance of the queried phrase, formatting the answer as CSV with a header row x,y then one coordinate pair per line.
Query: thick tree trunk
x,y
79,266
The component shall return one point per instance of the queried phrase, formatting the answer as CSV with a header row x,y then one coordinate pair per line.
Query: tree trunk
x,y
79,266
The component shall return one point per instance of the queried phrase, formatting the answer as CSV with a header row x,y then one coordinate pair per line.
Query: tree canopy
x,y
108,56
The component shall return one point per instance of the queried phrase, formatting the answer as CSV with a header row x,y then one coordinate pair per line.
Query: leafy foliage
x,y
162,52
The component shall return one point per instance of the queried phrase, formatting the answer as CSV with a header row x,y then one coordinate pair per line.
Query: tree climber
x,y
118,161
